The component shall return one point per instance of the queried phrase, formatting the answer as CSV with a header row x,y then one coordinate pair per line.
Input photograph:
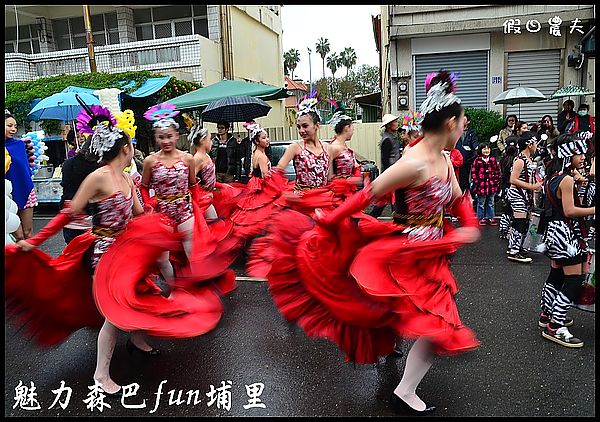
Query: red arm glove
x,y
54,226
150,204
462,207
357,202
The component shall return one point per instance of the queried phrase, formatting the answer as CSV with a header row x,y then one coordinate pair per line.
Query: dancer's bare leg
x,y
107,338
418,362
138,338
210,213
187,227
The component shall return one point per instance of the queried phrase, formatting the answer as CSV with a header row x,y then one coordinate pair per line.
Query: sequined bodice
x,y
112,212
343,164
311,169
422,208
207,176
170,180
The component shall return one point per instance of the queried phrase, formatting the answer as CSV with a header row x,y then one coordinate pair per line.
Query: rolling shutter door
x,y
472,66
539,70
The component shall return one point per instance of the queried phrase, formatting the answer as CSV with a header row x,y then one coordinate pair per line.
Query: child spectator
x,y
485,174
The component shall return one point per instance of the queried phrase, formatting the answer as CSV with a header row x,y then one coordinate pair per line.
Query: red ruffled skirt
x,y
51,298
260,203
360,284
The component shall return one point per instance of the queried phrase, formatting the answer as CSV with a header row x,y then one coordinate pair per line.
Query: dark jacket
x,y
225,162
467,145
74,170
390,149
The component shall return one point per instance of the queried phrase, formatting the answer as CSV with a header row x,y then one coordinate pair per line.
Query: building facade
x,y
199,43
492,47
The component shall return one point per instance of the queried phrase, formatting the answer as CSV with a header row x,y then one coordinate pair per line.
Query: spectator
x,y
485,173
467,145
138,156
223,153
565,117
521,128
508,130
74,171
71,144
583,121
390,151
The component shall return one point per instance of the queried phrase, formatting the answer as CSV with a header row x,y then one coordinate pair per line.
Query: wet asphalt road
x,y
515,372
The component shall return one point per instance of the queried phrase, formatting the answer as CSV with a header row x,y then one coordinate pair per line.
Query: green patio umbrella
x,y
200,98
571,91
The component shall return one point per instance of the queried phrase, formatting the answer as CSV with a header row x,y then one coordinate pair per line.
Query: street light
x,y
309,65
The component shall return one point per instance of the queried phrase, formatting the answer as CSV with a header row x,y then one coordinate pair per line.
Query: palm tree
x,y
291,58
333,63
323,48
348,58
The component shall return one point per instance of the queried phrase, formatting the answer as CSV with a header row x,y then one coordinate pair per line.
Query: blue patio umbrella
x,y
61,106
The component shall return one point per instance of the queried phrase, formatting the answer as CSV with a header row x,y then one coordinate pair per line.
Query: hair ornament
x,y
412,121
197,132
126,122
309,103
162,116
441,94
89,117
578,145
254,129
98,122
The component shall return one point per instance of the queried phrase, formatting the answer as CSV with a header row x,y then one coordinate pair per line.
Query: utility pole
x,y
309,66
88,38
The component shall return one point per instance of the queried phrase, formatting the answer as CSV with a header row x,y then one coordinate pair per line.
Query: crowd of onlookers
x,y
483,166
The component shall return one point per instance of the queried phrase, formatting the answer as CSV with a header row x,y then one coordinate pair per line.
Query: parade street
x,y
256,364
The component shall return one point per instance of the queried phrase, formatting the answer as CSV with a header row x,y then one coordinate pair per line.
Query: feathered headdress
x,y
162,116
126,122
98,122
412,121
339,115
197,131
441,94
254,129
309,103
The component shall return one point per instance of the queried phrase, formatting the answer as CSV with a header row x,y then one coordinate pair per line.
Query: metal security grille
x,y
539,70
472,66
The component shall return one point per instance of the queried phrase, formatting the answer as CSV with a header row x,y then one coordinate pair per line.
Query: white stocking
x,y
107,338
418,362
187,227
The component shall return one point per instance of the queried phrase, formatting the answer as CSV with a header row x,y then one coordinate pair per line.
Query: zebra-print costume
x,y
520,199
564,237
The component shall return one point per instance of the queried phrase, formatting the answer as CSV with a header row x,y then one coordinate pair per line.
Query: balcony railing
x,y
166,53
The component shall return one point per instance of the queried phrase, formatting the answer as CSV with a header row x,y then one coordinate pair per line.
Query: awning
x,y
149,87
200,98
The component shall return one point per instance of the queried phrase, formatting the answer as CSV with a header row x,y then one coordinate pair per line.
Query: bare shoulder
x,y
187,157
150,159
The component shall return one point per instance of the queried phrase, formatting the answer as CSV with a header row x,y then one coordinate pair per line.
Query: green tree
x,y
322,47
366,79
333,63
348,58
291,58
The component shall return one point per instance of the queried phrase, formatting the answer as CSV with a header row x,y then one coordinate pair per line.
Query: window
x,y
171,12
199,10
9,47
183,28
201,27
141,16
110,20
144,33
163,30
